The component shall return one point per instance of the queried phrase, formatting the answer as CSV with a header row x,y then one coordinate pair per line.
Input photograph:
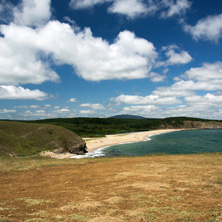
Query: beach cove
x,y
96,145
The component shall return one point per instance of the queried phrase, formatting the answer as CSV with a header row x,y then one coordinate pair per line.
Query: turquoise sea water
x,y
179,142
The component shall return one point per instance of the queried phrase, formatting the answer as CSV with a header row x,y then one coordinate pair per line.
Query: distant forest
x,y
92,127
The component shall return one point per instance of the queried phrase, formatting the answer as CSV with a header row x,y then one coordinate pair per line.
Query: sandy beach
x,y
109,140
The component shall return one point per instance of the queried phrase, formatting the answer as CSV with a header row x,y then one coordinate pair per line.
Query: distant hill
x,y
127,117
24,139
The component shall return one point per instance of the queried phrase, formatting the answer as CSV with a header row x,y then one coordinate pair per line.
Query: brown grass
x,y
155,188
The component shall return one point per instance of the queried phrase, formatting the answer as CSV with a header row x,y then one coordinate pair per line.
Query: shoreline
x,y
117,139
96,145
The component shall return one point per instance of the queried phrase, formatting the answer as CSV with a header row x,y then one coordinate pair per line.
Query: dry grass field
x,y
149,188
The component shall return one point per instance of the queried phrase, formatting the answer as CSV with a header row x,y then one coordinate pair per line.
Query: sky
x,y
99,58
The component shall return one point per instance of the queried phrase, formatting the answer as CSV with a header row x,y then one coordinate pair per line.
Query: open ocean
x,y
179,142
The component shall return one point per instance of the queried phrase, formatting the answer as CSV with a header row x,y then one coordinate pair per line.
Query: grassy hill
x,y
24,139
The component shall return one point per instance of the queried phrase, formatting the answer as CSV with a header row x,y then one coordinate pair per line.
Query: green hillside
x,y
25,139
86,127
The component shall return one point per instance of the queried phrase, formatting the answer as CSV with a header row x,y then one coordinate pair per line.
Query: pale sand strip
x,y
110,140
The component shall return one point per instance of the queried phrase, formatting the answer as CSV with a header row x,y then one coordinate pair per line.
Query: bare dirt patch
x,y
155,188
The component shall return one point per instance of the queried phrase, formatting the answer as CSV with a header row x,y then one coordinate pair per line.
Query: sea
x,y
178,142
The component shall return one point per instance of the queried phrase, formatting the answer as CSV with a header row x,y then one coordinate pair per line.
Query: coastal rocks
x,y
78,148
191,125
69,143
202,125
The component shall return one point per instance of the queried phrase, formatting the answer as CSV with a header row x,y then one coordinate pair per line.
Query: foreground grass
x,y
31,163
151,188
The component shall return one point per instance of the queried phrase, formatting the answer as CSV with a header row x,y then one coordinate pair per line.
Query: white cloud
x,y
32,12
155,77
209,28
175,8
82,4
72,100
146,111
64,110
87,112
135,8
207,100
13,92
20,62
176,56
209,73
130,8
151,100
208,78
128,57
7,111
95,106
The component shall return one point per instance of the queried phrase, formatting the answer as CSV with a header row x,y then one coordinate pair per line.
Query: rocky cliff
x,y
192,125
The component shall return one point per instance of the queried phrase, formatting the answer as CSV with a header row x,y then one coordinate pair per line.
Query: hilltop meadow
x,y
148,188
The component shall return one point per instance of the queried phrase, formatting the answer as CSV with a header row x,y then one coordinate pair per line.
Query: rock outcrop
x,y
192,125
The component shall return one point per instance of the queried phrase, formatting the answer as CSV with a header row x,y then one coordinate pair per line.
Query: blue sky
x,y
99,58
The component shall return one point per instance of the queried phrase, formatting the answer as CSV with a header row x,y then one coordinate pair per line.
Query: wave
x,y
92,154
100,152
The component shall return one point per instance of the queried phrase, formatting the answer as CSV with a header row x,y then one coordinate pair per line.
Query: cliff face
x,y
24,139
192,125
202,125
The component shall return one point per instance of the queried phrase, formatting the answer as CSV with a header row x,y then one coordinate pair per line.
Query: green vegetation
x,y
23,139
27,138
88,127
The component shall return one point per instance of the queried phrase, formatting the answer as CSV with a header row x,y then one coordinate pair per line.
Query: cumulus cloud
x,y
176,56
207,100
72,100
150,99
178,7
82,4
209,73
63,110
149,110
13,92
128,57
20,61
208,78
94,106
135,8
87,112
32,12
7,111
131,8
155,77
25,59
208,29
